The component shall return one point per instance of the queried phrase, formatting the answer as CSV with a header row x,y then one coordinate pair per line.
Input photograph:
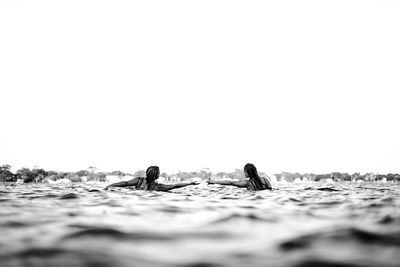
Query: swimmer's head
x,y
152,173
250,171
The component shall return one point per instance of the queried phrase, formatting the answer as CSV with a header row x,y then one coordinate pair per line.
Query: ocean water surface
x,y
313,224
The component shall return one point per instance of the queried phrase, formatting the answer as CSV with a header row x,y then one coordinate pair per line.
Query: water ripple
x,y
313,224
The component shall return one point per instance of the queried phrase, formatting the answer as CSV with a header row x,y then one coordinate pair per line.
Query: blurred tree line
x,y
37,175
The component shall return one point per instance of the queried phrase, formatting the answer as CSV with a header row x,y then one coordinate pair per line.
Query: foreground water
x,y
341,224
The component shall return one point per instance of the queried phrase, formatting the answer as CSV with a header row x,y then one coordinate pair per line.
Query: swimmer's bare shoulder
x,y
132,182
267,182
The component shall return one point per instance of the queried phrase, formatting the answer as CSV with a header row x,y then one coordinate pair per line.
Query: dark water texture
x,y
314,224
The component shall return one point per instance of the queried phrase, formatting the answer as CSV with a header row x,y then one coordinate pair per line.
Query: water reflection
x,y
318,225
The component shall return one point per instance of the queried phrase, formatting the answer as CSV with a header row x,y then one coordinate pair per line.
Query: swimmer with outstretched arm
x,y
255,181
149,183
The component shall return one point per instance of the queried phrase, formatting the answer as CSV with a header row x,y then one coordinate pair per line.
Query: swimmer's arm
x,y
234,183
167,187
132,182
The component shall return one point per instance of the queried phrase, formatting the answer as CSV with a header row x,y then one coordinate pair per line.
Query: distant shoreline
x,y
37,175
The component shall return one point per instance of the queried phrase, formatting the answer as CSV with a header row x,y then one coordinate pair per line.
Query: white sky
x,y
308,86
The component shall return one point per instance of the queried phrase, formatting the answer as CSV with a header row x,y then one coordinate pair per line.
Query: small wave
x,y
257,197
388,219
250,217
116,234
93,190
50,196
326,263
40,252
69,196
96,232
15,224
80,226
234,198
37,257
375,205
171,209
200,264
328,189
329,203
247,207
389,199
27,193
349,234
45,196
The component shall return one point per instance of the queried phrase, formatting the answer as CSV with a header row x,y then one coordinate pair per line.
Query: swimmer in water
x,y
255,182
149,183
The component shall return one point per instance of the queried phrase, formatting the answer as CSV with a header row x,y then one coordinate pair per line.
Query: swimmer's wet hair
x,y
152,174
251,170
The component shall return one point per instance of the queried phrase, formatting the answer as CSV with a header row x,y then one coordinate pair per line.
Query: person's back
x,y
142,185
255,182
149,182
265,184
